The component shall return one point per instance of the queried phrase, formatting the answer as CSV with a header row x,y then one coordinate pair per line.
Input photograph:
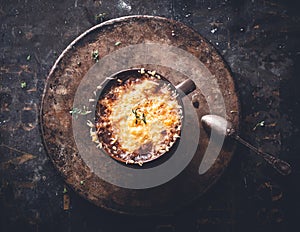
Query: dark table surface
x,y
260,42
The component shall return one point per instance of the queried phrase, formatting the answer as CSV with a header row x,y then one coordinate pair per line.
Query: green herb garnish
x,y
118,43
260,124
95,55
100,17
144,118
139,117
76,111
23,84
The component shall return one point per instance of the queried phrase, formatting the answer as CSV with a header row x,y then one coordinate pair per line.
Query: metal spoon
x,y
224,128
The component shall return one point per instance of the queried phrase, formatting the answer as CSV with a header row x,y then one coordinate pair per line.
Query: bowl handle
x,y
186,87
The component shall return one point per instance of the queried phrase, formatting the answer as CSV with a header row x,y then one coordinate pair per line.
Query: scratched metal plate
x,y
75,62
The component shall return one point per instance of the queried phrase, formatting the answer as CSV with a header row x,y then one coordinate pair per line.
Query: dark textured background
x,y
260,42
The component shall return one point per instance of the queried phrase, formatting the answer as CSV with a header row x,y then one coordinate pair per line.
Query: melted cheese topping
x,y
145,116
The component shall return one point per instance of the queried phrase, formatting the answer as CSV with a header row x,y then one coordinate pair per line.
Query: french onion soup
x,y
138,117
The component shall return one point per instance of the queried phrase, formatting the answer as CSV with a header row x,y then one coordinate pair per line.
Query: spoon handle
x,y
281,166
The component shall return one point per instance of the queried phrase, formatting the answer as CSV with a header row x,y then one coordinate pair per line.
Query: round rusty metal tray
x,y
178,53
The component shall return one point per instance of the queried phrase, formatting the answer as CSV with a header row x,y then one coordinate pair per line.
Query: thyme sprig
x,y
138,116
76,111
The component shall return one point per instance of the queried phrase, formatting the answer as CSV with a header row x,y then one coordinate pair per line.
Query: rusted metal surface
x,y
56,121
